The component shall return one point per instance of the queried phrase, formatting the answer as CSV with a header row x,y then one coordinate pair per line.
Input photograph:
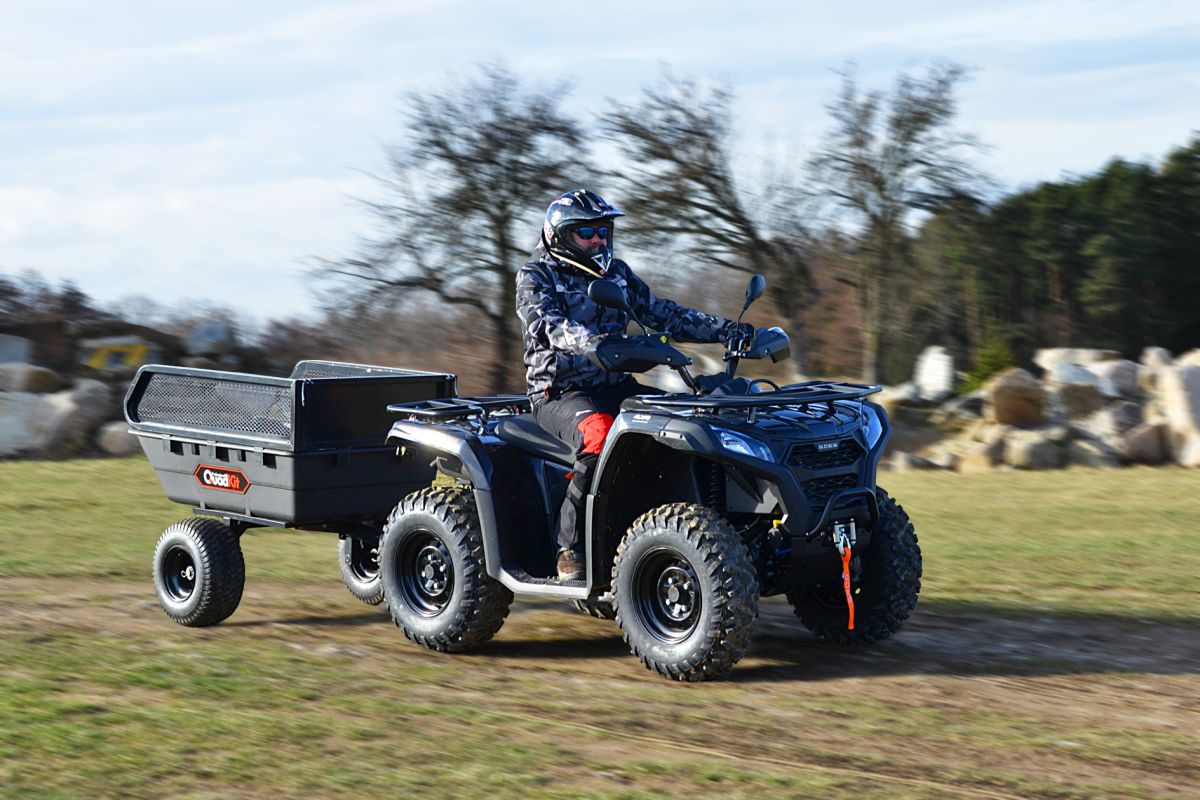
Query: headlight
x,y
872,427
736,443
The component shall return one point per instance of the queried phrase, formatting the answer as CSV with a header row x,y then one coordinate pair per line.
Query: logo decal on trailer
x,y
223,478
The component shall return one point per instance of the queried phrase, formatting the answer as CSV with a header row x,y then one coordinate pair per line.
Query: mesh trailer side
x,y
224,406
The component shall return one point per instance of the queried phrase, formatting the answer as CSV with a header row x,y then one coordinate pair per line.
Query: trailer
x,y
249,451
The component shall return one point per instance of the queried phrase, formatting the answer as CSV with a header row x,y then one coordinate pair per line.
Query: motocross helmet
x,y
575,209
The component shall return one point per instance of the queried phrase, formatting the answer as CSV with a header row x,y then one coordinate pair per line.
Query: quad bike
x,y
702,503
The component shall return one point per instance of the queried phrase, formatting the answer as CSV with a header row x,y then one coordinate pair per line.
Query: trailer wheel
x,y
198,572
434,580
358,560
685,592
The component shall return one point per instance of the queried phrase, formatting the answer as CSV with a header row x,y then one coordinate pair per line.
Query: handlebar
x,y
636,353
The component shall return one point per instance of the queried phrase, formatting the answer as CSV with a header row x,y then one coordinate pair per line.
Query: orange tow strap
x,y
845,552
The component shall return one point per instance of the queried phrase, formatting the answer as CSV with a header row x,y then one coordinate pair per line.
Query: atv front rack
x,y
458,408
796,394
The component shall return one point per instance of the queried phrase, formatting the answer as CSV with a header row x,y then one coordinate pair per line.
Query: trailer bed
x,y
306,450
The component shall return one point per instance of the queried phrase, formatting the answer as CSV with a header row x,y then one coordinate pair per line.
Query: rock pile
x,y
1089,408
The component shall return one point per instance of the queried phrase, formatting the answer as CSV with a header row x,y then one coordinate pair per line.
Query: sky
x,y
208,153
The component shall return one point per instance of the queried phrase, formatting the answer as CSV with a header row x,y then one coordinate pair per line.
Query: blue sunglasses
x,y
587,232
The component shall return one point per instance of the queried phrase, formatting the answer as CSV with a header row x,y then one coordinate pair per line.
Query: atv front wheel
x,y
885,586
434,581
358,561
199,572
685,592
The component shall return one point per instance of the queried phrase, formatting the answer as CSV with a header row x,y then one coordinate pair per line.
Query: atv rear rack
x,y
796,394
456,408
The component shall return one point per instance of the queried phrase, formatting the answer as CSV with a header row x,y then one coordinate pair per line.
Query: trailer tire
x,y
199,572
685,592
434,578
358,561
886,592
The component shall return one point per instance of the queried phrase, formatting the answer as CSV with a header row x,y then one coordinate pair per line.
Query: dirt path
x,y
959,696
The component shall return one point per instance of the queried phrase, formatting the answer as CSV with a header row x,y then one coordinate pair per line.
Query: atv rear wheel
x,y
685,592
358,561
199,572
885,586
434,580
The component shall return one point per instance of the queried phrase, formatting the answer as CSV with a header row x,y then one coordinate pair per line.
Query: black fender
x,y
474,461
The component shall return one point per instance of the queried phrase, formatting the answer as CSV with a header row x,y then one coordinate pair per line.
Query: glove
x,y
589,351
735,335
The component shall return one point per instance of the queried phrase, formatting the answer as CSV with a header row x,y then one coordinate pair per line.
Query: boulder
x,y
1072,401
73,417
1179,400
15,348
1033,450
988,432
908,462
934,374
1014,397
979,457
1156,357
1187,450
21,377
115,439
1189,359
945,460
1117,378
1113,420
967,408
21,415
1059,434
1153,360
1143,444
1091,453
1046,358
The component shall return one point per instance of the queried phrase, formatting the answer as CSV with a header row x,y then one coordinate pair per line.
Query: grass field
x,y
1054,653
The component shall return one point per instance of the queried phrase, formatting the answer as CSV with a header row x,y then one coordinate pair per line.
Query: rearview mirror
x,y
758,285
608,294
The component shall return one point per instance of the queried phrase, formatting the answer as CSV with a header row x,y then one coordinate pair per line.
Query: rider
x,y
571,397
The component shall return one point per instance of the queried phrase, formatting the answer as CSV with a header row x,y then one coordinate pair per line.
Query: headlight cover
x,y
872,427
745,445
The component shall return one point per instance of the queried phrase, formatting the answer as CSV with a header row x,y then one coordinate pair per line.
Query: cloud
x,y
149,147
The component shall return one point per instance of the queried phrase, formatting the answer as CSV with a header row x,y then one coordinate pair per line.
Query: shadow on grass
x,y
314,620
554,649
979,639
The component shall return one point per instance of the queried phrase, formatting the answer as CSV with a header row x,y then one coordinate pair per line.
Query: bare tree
x,y
886,158
681,193
467,189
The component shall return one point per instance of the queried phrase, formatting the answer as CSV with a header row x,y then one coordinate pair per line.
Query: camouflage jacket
x,y
559,320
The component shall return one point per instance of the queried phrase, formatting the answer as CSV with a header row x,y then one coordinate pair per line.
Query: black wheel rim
x,y
669,596
179,574
364,560
832,594
425,573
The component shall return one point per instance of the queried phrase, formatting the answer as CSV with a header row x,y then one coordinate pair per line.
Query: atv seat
x,y
522,432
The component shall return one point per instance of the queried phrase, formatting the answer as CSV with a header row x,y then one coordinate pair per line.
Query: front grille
x,y
222,405
809,457
818,490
